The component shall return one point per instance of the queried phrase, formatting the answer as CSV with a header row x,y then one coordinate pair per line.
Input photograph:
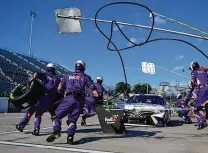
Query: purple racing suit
x,y
182,104
91,101
199,90
72,104
50,82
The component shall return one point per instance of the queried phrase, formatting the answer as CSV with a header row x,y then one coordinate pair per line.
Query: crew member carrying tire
x,y
50,83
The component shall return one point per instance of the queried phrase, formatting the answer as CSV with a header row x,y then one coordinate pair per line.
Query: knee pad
x,y
29,115
71,127
69,123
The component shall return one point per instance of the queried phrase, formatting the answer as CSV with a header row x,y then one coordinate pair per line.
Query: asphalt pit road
x,y
89,130
159,137
40,134
200,135
131,134
174,123
16,139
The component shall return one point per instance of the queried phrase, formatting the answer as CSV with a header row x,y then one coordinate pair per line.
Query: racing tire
x,y
56,103
26,94
125,119
149,121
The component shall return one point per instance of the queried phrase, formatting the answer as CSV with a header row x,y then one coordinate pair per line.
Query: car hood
x,y
141,106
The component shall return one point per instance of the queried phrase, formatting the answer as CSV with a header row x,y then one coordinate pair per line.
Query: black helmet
x,y
194,66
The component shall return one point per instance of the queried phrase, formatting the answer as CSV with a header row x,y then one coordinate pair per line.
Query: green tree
x,y
141,88
121,87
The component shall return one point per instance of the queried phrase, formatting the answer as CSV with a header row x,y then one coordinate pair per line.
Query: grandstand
x,y
15,68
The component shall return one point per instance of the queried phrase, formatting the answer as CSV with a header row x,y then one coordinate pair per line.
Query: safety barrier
x,y
4,104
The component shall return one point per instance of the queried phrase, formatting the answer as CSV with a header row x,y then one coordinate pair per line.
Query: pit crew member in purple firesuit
x,y
182,104
73,85
199,88
91,101
50,82
206,103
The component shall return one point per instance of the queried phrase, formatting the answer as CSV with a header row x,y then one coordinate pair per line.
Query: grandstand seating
x,y
14,72
32,60
15,68
20,62
41,64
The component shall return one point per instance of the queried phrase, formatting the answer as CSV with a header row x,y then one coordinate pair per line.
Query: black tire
x,y
149,121
26,94
125,119
56,103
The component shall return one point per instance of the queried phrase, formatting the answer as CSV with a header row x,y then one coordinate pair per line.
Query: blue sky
x,y
90,45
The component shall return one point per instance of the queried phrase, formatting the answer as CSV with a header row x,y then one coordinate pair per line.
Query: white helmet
x,y
100,78
80,65
51,65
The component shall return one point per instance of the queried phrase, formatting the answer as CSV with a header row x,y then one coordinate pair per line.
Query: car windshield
x,y
146,99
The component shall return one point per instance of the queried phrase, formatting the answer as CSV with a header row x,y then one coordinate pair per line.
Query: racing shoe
x,y
201,126
188,120
36,132
83,121
53,136
70,139
19,128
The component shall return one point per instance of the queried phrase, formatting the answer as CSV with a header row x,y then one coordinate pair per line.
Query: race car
x,y
149,108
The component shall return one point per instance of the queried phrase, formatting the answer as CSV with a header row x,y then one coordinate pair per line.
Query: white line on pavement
x,y
52,147
6,118
45,128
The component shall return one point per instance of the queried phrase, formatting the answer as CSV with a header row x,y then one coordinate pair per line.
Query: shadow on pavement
x,y
131,134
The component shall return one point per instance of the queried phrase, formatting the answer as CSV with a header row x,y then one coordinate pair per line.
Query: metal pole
x,y
30,53
135,25
33,15
181,23
172,72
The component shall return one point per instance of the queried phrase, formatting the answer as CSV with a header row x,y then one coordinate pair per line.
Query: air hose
x,y
148,40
